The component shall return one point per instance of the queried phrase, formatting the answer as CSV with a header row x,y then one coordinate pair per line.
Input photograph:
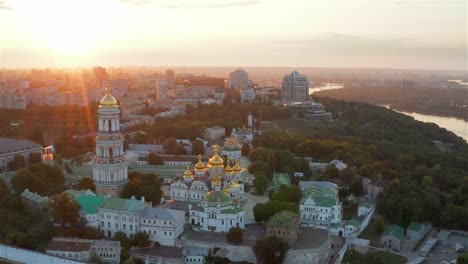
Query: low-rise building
x,y
89,205
107,251
120,215
320,206
416,231
284,224
392,237
364,208
34,200
84,249
217,213
163,225
10,147
214,133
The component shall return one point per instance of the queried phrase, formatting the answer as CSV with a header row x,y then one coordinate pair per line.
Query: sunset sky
x,y
319,33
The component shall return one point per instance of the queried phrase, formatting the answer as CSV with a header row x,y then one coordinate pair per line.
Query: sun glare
x,y
69,27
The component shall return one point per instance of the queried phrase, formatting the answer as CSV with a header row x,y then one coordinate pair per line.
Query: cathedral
x,y
195,185
110,167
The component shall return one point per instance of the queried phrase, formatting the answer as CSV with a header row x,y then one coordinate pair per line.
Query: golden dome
x,y
200,165
228,167
216,160
188,173
233,183
237,167
108,99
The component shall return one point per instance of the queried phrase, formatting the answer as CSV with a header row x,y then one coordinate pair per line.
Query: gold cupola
x,y
216,160
200,165
188,173
228,167
108,99
236,167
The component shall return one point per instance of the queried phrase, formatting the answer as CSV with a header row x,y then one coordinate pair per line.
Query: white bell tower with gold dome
x,y
110,167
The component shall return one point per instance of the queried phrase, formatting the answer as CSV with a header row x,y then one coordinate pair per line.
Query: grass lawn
x,y
374,257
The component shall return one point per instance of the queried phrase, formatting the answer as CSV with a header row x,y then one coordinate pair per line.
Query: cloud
x,y
4,5
135,2
193,4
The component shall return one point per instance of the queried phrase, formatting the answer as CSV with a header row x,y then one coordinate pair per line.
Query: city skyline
x,y
248,33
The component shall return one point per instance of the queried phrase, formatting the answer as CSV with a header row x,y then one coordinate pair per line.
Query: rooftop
x,y
8,145
120,204
162,213
415,226
71,246
394,230
161,251
89,203
280,179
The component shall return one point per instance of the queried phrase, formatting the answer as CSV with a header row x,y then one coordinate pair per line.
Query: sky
x,y
410,34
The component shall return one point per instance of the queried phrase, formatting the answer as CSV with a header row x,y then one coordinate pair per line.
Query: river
x,y
456,125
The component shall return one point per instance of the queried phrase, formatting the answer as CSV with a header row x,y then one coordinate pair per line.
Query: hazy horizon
x,y
234,33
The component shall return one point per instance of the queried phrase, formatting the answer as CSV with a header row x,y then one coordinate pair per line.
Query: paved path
x,y
252,200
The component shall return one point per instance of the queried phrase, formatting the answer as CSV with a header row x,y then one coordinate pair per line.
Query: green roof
x,y
218,196
280,179
415,226
366,204
284,218
322,196
233,210
76,193
119,204
394,230
353,222
89,203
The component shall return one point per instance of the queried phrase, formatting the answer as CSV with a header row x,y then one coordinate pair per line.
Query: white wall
x,y
28,256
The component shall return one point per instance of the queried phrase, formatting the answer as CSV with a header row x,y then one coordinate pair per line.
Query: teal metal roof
x,y
394,230
353,222
280,179
119,204
415,226
89,203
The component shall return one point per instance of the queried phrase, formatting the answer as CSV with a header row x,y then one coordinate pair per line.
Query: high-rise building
x,y
238,79
110,168
295,88
170,78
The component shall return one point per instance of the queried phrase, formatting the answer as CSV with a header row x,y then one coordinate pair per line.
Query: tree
x,y
245,150
356,185
40,178
35,158
64,209
17,163
95,258
143,184
198,147
289,194
180,150
270,250
462,258
86,183
122,237
235,235
263,211
332,172
141,240
260,182
260,166
379,225
170,145
154,159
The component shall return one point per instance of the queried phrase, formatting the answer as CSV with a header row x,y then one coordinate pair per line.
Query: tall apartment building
x,y
295,88
238,79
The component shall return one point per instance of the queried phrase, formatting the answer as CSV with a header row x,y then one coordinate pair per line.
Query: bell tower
x,y
110,168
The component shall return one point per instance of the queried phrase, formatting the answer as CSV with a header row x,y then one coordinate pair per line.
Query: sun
x,y
69,27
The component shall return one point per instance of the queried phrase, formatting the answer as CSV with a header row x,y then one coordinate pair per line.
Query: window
x,y
116,226
124,227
